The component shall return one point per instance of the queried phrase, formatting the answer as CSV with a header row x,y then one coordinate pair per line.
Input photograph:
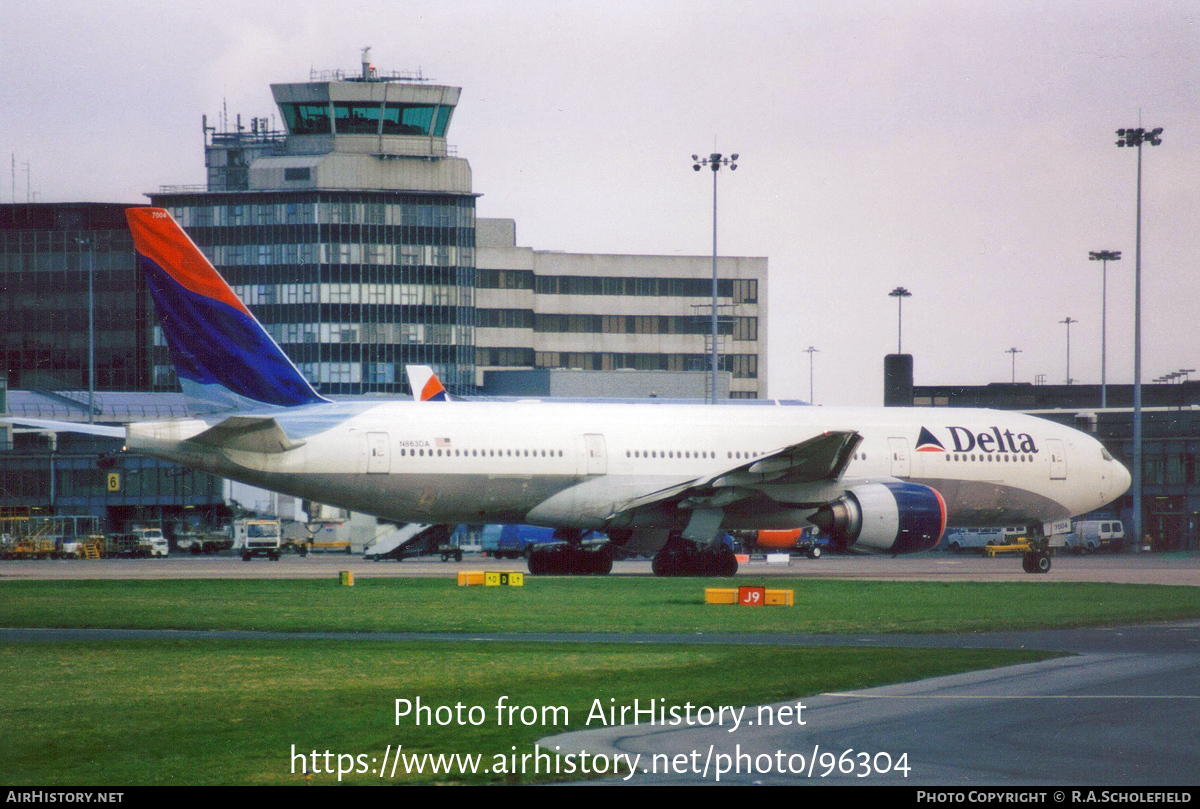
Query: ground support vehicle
x,y
211,542
513,541
253,538
1090,536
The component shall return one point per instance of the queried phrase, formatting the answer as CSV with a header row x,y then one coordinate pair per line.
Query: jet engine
x,y
893,517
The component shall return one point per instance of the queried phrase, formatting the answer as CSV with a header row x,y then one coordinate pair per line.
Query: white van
x,y
1089,536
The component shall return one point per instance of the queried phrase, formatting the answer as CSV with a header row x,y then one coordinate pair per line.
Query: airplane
x,y
667,480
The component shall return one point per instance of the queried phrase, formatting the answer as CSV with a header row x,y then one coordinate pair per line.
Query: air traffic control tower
x,y
351,234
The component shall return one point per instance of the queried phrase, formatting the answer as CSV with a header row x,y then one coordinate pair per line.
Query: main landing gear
x,y
679,557
1037,558
570,557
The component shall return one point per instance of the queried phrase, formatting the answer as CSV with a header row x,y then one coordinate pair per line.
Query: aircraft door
x,y
379,459
1058,459
597,456
901,465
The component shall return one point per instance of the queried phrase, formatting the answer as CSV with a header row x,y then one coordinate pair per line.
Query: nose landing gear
x,y
1037,558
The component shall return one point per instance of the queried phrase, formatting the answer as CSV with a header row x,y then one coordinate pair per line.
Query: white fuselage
x,y
589,465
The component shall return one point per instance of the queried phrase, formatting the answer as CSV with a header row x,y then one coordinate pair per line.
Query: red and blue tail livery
x,y
222,354
426,387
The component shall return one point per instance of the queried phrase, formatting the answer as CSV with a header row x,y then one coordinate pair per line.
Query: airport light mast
x,y
810,351
1135,138
714,161
1068,322
1104,256
900,293
1014,351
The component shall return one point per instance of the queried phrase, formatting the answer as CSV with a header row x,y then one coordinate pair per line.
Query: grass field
x,y
222,712
612,604
228,712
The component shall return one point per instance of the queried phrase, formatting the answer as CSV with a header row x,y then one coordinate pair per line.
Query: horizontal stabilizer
x,y
247,434
66,426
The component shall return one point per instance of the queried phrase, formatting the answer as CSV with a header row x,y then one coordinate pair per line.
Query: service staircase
x,y
410,539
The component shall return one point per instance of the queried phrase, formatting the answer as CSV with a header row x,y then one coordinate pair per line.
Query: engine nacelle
x,y
894,517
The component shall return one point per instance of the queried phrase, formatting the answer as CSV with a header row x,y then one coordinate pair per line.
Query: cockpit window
x,y
1104,453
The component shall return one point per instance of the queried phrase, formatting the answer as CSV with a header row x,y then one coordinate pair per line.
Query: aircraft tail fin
x,y
222,354
426,387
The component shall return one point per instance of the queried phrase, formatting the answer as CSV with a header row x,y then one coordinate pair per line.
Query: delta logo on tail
x,y
926,442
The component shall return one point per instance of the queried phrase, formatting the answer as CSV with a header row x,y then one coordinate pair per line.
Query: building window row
x,y
371,333
504,279
504,357
741,366
452,214
742,328
504,318
405,255
740,290
365,293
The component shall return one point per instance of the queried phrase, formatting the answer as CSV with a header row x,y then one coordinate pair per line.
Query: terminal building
x,y
589,312
352,236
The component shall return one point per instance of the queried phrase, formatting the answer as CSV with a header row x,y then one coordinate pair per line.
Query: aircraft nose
x,y
1121,480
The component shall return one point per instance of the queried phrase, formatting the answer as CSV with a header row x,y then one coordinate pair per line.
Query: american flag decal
x,y
441,443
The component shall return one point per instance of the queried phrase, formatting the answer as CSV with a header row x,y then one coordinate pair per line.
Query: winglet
x,y
222,354
426,387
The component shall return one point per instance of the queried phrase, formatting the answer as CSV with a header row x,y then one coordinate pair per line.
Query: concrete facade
x,y
606,312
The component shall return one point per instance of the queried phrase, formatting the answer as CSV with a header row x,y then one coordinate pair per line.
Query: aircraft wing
x,y
823,457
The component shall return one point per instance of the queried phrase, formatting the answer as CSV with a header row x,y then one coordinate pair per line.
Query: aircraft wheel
x,y
730,563
722,563
605,565
600,561
670,563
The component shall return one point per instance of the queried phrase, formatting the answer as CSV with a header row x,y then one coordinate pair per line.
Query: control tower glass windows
x,y
443,120
307,119
356,119
409,119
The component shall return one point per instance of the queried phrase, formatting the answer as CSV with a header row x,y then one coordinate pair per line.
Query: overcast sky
x,y
964,150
